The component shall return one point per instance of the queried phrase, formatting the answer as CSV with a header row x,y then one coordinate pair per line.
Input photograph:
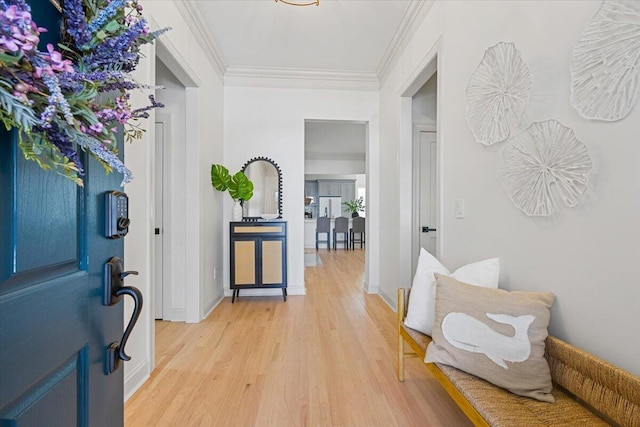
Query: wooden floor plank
x,y
324,359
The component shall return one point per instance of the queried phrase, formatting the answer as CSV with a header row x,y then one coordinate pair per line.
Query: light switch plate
x,y
459,208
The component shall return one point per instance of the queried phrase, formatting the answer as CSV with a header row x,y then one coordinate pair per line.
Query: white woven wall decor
x,y
497,94
545,153
604,72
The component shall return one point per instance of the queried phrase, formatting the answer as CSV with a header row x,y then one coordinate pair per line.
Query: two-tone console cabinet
x,y
258,256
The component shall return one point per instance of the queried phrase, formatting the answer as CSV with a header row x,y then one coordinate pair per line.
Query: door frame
x,y
140,251
430,65
371,271
417,192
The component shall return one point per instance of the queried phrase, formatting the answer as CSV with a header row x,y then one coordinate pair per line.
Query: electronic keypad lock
x,y
116,206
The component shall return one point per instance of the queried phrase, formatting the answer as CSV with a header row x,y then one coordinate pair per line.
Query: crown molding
x,y
298,78
306,78
413,17
191,13
333,156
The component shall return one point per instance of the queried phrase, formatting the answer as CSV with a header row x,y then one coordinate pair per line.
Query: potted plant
x,y
239,186
354,206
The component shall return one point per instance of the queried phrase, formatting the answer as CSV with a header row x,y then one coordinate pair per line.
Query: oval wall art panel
x,y
604,72
546,153
497,94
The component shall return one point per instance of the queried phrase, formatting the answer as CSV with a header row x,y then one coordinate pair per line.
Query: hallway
x,y
324,359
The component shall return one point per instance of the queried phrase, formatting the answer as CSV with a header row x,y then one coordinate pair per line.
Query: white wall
x,y
424,103
201,210
334,167
270,122
334,148
585,255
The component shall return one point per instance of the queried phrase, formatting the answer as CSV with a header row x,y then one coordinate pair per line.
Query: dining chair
x,y
341,227
323,225
358,227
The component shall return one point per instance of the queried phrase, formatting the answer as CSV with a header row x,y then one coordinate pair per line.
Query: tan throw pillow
x,y
493,334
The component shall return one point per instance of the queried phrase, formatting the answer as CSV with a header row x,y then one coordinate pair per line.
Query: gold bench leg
x,y
400,338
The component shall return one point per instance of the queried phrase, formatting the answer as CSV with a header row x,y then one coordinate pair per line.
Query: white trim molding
x,y
191,13
298,78
413,17
135,378
309,155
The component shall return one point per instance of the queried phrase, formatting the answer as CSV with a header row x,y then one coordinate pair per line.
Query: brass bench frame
x,y
609,393
404,335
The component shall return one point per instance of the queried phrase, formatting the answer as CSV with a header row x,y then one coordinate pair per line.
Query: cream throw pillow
x,y
493,334
421,310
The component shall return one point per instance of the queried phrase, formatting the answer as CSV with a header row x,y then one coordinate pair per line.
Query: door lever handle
x,y
427,229
126,273
114,290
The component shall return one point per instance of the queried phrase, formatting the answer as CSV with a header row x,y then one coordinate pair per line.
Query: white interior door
x,y
158,238
428,191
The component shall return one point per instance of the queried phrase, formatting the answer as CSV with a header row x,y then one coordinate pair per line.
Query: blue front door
x,y
54,327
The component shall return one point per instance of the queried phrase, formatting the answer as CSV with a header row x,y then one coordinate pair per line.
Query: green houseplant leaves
x,y
239,186
220,177
354,206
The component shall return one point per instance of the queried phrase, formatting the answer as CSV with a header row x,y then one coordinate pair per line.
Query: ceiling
x,y
350,39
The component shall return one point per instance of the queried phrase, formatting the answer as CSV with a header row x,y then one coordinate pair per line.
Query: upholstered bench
x,y
588,391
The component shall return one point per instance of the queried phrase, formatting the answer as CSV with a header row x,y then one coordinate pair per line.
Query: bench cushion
x,y
501,408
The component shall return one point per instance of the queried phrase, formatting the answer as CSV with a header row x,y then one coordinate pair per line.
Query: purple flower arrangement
x,y
76,95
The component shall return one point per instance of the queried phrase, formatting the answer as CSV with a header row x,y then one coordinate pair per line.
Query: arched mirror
x,y
266,202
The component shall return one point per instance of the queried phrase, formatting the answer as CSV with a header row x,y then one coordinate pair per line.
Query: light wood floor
x,y
324,359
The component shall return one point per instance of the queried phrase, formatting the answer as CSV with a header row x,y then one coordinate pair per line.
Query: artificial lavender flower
x,y
108,80
56,98
157,33
121,85
42,85
143,112
63,143
109,157
100,76
104,15
75,21
47,116
117,52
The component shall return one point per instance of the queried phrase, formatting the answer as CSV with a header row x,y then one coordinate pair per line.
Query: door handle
x,y
114,290
427,229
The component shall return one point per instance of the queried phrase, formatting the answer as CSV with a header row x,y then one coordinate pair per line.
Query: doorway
x,y
168,234
335,172
420,194
162,229
425,169
425,155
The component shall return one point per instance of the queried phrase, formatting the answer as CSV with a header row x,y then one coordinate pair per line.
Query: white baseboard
x,y
391,302
371,290
135,377
213,303
176,315
296,290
